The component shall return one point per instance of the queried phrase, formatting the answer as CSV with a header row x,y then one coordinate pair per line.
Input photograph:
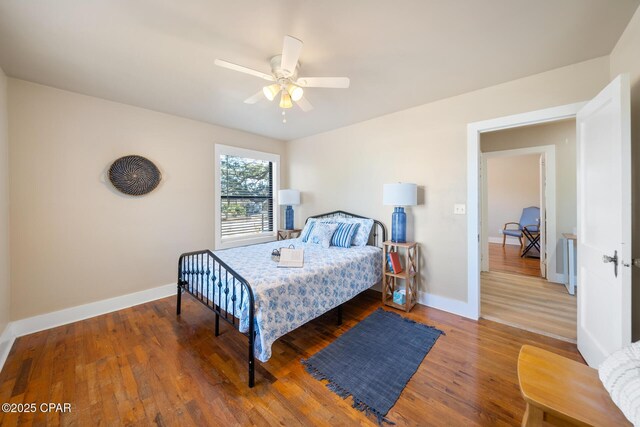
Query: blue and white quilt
x,y
286,298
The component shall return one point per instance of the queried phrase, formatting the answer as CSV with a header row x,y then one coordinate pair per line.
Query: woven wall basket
x,y
134,175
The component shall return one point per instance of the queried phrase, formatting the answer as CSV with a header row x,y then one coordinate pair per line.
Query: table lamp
x,y
288,198
399,195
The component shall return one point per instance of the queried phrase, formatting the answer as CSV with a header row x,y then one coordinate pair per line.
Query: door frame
x,y
548,193
474,130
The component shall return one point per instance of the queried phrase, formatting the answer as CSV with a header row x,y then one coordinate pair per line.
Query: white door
x,y
543,216
604,222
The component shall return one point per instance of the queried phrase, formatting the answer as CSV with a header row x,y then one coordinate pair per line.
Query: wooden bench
x,y
563,392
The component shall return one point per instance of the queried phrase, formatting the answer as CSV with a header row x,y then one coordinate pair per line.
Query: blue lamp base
x,y
399,225
289,218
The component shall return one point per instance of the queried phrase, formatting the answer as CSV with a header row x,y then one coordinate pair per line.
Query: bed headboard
x,y
378,231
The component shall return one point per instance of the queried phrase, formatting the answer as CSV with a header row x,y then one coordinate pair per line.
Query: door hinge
x,y
635,262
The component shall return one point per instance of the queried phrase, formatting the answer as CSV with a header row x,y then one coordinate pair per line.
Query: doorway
x,y
522,280
516,182
507,293
603,200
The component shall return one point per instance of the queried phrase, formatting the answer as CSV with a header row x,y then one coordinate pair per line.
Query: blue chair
x,y
528,227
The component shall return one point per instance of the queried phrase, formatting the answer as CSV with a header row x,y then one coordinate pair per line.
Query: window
x,y
246,183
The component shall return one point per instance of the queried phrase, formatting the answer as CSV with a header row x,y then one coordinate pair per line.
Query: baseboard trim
x,y
6,342
73,314
461,308
30,325
510,240
449,305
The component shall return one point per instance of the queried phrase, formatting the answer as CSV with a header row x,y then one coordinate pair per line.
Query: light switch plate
x,y
459,209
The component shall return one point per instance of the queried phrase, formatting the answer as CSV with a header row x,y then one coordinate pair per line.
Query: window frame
x,y
231,241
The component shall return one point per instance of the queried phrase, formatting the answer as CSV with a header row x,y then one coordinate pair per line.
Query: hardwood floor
x,y
145,366
530,303
507,259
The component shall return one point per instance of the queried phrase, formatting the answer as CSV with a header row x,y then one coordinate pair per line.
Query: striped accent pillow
x,y
308,228
343,237
362,234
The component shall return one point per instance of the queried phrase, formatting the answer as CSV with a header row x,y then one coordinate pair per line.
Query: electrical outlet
x,y
459,209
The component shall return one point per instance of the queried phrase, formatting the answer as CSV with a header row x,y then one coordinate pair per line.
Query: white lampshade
x,y
289,197
296,92
400,194
271,91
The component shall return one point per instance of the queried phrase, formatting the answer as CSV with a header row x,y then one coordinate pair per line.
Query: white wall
x,y
625,58
513,184
5,297
346,168
75,239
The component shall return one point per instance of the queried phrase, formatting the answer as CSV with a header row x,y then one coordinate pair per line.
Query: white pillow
x,y
321,233
620,375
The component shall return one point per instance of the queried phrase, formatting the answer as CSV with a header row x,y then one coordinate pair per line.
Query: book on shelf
x,y
389,266
291,258
395,262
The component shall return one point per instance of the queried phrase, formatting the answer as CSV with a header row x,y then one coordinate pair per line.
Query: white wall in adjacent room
x,y
562,135
513,184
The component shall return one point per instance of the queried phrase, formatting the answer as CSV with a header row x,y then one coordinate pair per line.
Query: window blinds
x,y
246,196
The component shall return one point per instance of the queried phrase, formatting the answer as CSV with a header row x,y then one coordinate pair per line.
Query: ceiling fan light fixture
x,y
285,100
284,79
296,92
271,91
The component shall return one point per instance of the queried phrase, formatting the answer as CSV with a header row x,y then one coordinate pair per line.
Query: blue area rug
x,y
374,360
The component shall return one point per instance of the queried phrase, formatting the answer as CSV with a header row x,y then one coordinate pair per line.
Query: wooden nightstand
x,y
289,234
406,279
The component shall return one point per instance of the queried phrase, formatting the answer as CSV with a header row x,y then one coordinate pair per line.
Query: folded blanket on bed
x,y
620,375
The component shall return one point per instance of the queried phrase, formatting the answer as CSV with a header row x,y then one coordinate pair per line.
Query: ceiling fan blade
x,y
291,48
255,98
235,67
328,82
304,104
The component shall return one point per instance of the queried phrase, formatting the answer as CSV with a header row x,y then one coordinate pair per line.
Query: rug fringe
x,y
357,403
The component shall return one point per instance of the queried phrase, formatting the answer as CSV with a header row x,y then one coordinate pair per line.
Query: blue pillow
x,y
343,237
362,234
308,228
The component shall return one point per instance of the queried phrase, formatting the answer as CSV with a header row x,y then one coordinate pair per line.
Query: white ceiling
x,y
398,54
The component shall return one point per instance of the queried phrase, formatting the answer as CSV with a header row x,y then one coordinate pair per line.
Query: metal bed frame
x,y
202,274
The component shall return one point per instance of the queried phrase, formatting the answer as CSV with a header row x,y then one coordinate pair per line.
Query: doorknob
x,y
613,259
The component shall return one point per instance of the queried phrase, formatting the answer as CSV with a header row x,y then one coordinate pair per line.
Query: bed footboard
x,y
216,285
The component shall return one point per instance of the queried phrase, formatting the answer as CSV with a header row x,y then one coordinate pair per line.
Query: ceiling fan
x,y
284,75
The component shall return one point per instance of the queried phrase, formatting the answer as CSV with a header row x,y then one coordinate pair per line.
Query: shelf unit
x,y
407,279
